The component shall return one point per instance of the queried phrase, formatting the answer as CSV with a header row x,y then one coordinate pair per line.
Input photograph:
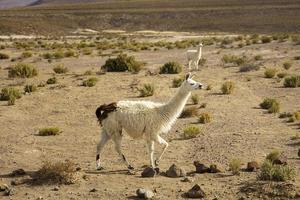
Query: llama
x,y
142,120
194,56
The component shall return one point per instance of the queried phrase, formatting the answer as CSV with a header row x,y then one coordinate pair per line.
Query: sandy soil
x,y
239,128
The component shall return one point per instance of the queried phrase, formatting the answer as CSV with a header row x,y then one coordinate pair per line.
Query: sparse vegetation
x,y
292,81
205,118
234,59
235,166
282,74
189,112
270,72
30,88
90,82
52,80
22,70
228,87
195,99
265,39
272,105
50,131
147,90
60,69
171,68
191,132
122,63
177,82
249,67
287,65
258,57
274,172
26,54
10,94
4,56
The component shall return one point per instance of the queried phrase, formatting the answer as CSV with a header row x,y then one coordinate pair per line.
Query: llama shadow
x,y
110,172
294,144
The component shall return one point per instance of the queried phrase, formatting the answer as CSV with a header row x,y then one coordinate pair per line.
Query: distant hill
x,y
15,3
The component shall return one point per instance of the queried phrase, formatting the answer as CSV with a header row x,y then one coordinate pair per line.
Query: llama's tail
x,y
103,110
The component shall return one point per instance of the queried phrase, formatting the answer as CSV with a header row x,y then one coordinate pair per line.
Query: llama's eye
x,y
192,83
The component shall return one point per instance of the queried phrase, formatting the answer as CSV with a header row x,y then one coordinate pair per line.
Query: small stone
x,y
85,177
144,193
201,168
214,169
93,190
195,192
281,160
252,166
56,188
175,171
3,187
78,168
18,172
40,198
187,180
148,172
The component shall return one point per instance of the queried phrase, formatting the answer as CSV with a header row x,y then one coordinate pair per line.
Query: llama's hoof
x,y
130,167
156,163
99,168
156,170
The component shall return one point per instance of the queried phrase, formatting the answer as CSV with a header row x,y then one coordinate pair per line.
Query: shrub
x,y
292,81
177,82
273,155
272,105
294,117
226,41
273,172
189,112
49,131
195,99
234,59
147,90
235,166
58,55
227,87
191,132
70,53
282,75
287,65
270,72
122,63
87,51
203,105
209,87
258,57
60,69
26,54
52,80
88,73
56,173
90,82
171,68
205,118
297,57
30,88
265,39
4,56
8,94
249,67
285,115
22,70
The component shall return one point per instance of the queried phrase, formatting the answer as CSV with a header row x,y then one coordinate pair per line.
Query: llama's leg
x,y
150,145
118,143
190,64
101,144
160,140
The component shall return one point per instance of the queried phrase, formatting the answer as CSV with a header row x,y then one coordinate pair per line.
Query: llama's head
x,y
189,84
201,45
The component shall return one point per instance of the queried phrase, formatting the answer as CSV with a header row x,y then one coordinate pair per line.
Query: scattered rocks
x,y
18,172
252,166
195,192
144,193
148,172
201,168
93,190
214,169
281,160
175,171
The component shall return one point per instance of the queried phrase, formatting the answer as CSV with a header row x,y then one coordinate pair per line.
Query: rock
x,y
214,169
281,160
3,187
188,180
195,192
201,168
175,171
299,152
252,166
56,188
9,192
18,172
93,190
148,172
144,193
78,168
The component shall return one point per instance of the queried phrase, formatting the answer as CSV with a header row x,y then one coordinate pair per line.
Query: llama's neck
x,y
199,52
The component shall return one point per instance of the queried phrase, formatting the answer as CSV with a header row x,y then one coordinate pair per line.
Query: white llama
x,y
142,120
194,56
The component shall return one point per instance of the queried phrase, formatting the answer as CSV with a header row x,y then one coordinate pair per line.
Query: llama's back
x,y
133,106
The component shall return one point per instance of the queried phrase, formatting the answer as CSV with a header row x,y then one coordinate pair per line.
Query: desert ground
x,y
239,127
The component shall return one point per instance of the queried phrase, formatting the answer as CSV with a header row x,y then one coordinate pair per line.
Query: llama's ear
x,y
188,75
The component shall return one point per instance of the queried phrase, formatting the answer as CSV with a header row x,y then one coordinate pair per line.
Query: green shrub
x,y
273,155
177,82
258,57
272,105
60,69
26,54
52,80
30,88
22,70
235,166
287,65
10,94
292,81
270,72
273,172
171,68
265,39
282,74
49,131
195,99
204,118
227,87
249,67
147,90
122,63
90,82
4,56
189,112
191,132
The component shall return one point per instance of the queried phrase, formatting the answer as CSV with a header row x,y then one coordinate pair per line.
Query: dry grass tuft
x,y
272,105
49,131
90,82
147,90
235,166
171,68
227,87
195,99
22,70
189,112
270,72
292,81
273,172
191,132
205,118
60,69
